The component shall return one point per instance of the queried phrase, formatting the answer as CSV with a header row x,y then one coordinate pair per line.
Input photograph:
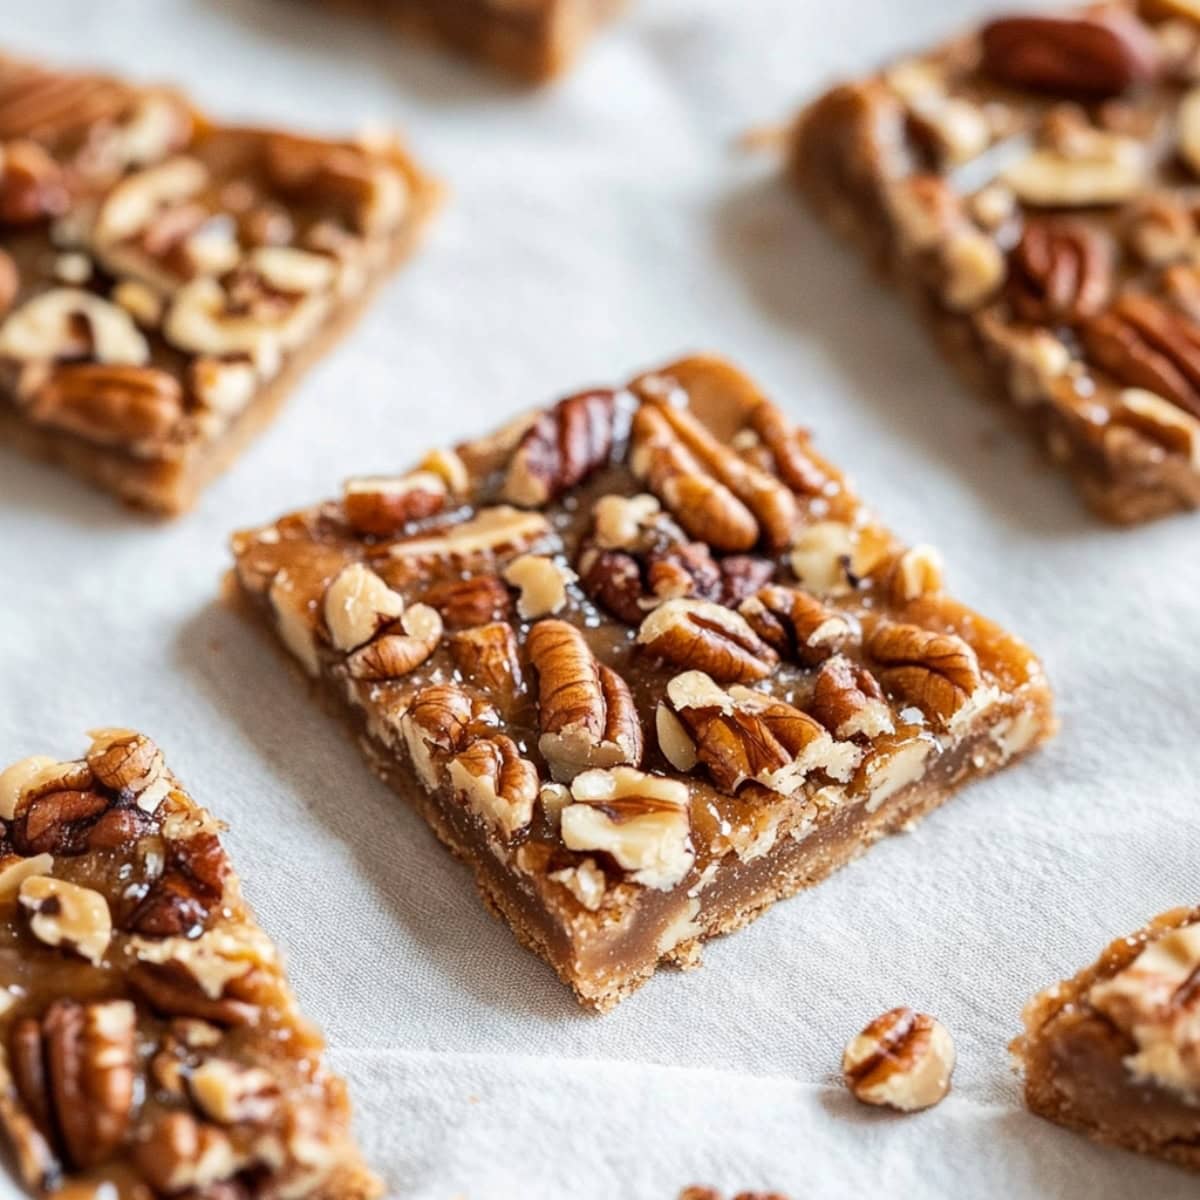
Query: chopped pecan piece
x,y
938,672
565,445
56,822
498,783
487,656
1059,272
463,603
190,887
171,990
613,579
357,605
916,573
541,583
401,648
1145,344
585,709
439,722
849,702
182,1155
640,820
709,638
67,915
798,626
491,534
1092,56
741,735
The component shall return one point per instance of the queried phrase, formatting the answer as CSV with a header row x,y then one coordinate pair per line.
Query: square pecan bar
x,y
164,280
149,1042
645,662
532,39
1033,187
1115,1052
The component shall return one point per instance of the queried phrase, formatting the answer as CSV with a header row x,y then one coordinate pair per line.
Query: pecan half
x,y
741,736
1060,271
56,822
709,638
585,709
1092,56
487,656
401,648
613,580
789,448
1145,344
490,534
849,702
109,404
683,463
467,602
938,672
74,1072
124,760
565,445
798,626
440,721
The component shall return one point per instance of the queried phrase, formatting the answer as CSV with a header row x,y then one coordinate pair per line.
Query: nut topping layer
x,y
616,696
147,1035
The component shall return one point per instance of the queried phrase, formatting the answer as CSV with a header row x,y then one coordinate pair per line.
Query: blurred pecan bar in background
x,y
645,662
533,39
149,1043
1115,1051
1035,187
164,281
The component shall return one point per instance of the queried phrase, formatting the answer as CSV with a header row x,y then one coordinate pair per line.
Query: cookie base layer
x,y
1072,1061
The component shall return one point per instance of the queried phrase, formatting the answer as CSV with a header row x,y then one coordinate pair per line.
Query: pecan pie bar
x,y
1115,1051
645,662
533,39
1035,187
164,280
149,1043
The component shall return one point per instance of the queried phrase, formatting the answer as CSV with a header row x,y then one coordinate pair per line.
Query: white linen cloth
x,y
595,228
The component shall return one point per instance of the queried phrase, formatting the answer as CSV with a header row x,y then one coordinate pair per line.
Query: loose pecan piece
x,y
708,637
74,1072
585,709
742,735
903,1060
848,700
1145,344
565,445
938,672
467,602
109,404
1059,272
1092,56
798,626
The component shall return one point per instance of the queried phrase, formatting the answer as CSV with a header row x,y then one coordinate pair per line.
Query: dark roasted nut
x,y
742,576
56,822
32,185
743,736
798,626
938,672
190,887
902,1060
848,700
613,579
467,602
1092,56
565,445
707,637
1059,272
74,1072
585,710
1145,344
